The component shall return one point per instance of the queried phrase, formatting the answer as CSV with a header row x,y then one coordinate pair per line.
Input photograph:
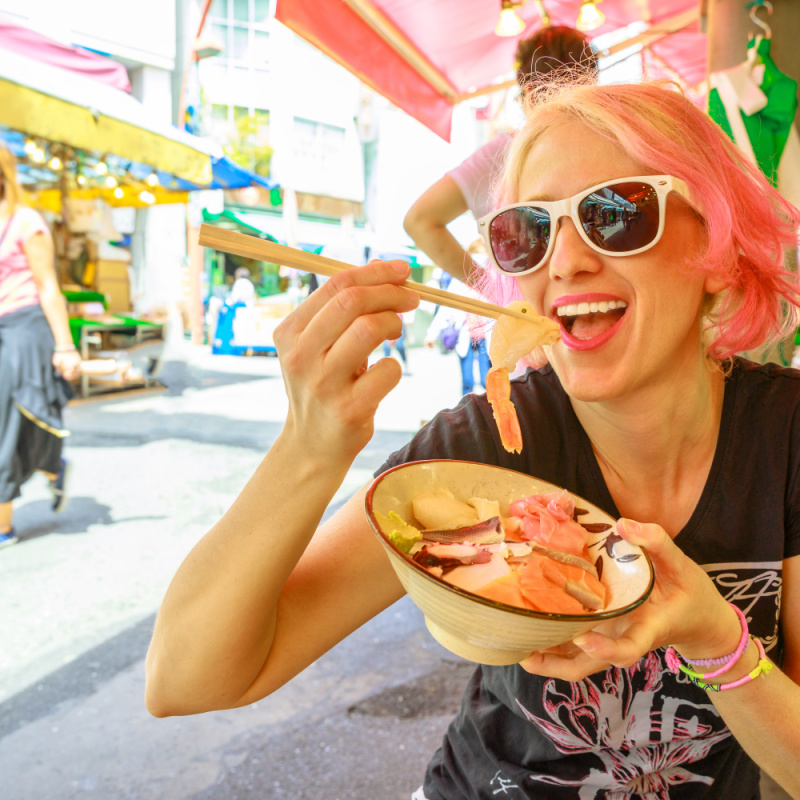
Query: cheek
x,y
533,289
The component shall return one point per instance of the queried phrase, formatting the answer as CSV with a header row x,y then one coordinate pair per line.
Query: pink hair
x,y
748,224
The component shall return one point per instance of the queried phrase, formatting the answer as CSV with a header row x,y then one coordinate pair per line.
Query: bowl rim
x,y
523,612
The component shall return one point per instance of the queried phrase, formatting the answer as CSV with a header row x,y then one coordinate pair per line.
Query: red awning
x,y
29,43
427,55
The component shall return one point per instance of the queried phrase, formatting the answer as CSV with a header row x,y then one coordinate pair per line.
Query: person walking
x,y
37,354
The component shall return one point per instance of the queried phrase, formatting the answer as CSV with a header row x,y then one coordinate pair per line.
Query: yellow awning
x,y
50,199
45,101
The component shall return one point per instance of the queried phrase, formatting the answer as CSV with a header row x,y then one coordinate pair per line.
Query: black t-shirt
x,y
642,732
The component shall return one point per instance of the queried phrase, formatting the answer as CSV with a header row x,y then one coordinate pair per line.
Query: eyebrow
x,y
548,198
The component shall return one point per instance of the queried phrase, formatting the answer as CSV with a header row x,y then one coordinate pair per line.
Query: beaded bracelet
x,y
673,659
764,666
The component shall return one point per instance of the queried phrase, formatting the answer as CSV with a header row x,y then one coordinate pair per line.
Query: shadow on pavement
x,y
35,519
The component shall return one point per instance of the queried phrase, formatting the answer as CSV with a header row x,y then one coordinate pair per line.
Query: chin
x,y
588,382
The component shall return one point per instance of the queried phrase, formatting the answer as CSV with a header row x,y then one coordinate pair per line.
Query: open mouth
x,y
586,321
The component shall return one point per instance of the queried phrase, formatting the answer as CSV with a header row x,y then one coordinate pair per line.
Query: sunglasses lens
x,y
621,217
519,238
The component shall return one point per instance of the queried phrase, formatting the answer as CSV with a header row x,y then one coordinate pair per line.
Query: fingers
x,y
573,667
375,274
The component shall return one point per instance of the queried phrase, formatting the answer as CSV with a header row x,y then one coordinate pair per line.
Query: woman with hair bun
x,y
553,50
629,219
36,348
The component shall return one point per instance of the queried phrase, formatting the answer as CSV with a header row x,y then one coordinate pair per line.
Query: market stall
x,y
89,155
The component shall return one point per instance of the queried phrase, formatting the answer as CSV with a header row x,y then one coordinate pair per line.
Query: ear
x,y
714,284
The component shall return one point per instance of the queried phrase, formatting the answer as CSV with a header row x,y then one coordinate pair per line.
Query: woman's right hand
x,y
323,348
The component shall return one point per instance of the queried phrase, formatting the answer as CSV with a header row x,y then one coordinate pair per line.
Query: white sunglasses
x,y
620,217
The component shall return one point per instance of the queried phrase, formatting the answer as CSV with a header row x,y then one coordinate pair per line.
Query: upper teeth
x,y
575,309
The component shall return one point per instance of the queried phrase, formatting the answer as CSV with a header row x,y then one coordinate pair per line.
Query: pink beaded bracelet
x,y
674,663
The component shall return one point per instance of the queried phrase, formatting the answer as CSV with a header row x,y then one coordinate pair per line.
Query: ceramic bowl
x,y
483,630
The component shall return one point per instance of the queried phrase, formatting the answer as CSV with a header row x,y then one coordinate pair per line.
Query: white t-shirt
x,y
242,291
477,175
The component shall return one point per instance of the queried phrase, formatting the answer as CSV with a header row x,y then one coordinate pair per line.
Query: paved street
x,y
80,592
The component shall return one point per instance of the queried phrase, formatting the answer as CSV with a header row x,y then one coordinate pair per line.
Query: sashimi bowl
x,y
471,608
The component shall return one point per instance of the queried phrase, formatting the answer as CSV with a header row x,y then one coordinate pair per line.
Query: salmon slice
x,y
582,585
505,589
544,586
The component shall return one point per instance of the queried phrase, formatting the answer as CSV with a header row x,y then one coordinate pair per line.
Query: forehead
x,y
569,157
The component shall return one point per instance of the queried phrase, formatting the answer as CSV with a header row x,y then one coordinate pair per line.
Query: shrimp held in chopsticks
x,y
513,338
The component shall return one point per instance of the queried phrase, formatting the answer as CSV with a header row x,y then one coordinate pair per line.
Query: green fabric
x,y
768,129
85,297
234,217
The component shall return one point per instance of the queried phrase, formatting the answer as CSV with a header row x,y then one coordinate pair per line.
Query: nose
x,y
571,255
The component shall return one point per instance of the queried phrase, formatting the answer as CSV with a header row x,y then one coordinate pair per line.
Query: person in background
x,y
472,342
243,289
470,186
36,353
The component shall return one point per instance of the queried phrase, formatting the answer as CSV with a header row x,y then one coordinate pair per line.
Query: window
x,y
242,27
316,142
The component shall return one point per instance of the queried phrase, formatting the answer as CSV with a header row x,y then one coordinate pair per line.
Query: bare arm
x,y
426,223
39,252
763,714
254,603
686,610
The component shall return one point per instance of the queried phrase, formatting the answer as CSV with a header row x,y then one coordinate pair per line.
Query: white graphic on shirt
x,y
644,751
504,784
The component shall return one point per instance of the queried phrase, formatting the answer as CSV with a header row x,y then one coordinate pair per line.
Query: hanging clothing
x,y
755,104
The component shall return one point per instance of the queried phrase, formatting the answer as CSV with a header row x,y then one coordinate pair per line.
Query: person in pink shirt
x,y
37,354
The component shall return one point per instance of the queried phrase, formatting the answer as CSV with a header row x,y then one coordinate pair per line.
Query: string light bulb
x,y
111,182
590,16
151,179
30,147
509,23
101,168
55,163
38,155
118,193
147,197
81,179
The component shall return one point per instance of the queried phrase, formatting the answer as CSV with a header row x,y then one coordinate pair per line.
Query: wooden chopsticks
x,y
240,244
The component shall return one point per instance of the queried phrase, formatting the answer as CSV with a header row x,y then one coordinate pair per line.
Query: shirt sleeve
x,y
478,174
29,223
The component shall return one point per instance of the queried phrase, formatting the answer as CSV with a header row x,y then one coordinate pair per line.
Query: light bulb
x,y
151,179
118,193
111,182
509,23
101,168
147,197
81,180
38,156
590,17
30,147
55,163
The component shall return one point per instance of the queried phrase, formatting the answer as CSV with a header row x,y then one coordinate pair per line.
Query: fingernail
x,y
583,642
629,527
400,266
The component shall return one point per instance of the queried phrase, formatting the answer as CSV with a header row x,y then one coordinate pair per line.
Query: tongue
x,y
587,326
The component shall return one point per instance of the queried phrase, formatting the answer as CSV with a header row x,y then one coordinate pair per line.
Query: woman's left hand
x,y
684,610
67,364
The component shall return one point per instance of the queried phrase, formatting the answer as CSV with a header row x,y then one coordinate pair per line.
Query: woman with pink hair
x,y
629,219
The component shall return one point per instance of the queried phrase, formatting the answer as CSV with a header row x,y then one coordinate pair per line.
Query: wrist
x,y
65,349
721,643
